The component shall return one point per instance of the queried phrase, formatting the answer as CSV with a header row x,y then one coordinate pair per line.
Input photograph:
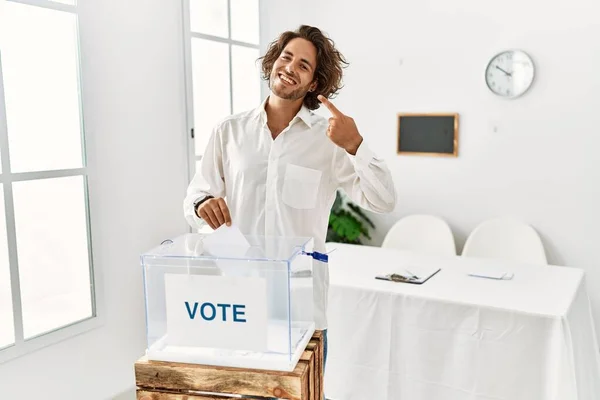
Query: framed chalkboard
x,y
428,134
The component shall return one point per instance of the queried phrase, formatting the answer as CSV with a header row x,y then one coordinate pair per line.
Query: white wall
x,y
135,121
541,165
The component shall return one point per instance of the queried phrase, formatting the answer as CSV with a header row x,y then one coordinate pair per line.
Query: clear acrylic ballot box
x,y
246,305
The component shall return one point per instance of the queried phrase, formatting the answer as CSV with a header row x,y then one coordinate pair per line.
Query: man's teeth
x,y
283,78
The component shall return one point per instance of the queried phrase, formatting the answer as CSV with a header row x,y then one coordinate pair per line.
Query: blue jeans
x,y
324,349
324,355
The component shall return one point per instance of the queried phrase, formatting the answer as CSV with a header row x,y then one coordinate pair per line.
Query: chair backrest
x,y
425,234
506,239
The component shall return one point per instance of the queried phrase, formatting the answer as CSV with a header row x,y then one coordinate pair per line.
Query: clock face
x,y
510,73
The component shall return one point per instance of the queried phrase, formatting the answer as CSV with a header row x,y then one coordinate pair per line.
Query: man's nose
x,y
291,69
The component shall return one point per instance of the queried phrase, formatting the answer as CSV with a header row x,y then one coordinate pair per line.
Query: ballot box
x,y
229,300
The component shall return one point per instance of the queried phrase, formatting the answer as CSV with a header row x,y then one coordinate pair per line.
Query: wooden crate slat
x,y
179,381
179,376
317,340
177,396
308,356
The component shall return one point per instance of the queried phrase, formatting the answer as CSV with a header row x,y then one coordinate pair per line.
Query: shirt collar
x,y
304,114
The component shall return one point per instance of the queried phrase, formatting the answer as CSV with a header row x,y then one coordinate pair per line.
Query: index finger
x,y
330,106
225,211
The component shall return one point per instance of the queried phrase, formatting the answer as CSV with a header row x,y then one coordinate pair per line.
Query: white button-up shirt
x,y
286,186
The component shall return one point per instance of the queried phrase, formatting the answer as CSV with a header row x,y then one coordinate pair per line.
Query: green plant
x,y
347,222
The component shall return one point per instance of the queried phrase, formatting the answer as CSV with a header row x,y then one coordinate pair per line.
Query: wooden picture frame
x,y
427,134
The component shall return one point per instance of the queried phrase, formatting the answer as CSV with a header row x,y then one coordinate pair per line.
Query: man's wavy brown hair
x,y
330,62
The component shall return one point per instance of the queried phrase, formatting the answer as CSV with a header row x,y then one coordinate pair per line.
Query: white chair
x,y
425,234
506,239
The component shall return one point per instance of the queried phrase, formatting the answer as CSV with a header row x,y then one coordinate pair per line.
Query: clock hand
x,y
507,73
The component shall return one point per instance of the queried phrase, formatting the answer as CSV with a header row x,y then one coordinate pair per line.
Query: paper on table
x,y
491,273
226,241
420,271
414,274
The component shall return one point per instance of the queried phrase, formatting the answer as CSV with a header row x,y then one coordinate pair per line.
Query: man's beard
x,y
282,93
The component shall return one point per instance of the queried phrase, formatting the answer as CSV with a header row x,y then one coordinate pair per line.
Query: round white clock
x,y
510,73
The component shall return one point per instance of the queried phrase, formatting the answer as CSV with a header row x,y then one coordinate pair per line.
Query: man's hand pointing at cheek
x,y
342,129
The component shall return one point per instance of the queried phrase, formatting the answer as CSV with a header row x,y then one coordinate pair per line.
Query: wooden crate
x,y
178,381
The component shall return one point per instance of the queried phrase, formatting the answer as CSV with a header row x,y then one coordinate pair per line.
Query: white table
x,y
457,337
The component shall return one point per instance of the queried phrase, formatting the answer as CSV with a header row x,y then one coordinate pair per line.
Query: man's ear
x,y
313,86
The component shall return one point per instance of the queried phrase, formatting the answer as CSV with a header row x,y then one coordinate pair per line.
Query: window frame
x,y
22,346
188,35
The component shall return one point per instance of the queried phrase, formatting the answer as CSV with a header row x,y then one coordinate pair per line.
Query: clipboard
x,y
407,278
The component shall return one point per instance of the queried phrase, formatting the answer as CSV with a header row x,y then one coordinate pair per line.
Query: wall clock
x,y
510,73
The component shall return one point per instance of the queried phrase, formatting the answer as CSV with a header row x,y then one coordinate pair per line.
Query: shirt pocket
x,y
301,186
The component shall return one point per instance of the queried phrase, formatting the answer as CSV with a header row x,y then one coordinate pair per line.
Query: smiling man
x,y
274,170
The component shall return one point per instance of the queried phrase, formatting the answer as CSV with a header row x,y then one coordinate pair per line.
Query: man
x,y
275,170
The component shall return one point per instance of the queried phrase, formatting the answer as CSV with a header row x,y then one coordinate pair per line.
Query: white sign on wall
x,y
216,311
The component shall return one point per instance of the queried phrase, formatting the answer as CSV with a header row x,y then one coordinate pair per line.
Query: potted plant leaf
x,y
347,222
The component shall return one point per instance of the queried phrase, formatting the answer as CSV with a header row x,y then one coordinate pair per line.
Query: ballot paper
x,y
226,241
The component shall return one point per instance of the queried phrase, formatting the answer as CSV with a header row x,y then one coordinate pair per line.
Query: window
x,y
46,280
223,75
